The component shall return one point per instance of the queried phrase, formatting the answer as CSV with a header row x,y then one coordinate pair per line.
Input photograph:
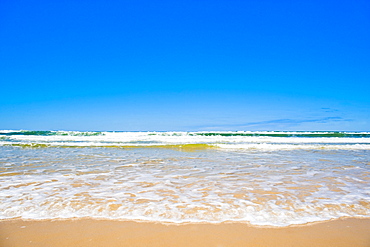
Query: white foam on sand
x,y
280,188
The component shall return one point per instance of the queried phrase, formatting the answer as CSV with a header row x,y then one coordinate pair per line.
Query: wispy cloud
x,y
327,109
275,123
294,121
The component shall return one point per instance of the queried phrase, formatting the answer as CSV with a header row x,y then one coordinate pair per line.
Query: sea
x,y
265,178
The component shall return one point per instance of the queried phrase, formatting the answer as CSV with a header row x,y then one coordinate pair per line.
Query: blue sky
x,y
185,65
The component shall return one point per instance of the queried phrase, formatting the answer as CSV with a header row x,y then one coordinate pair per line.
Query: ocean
x,y
260,178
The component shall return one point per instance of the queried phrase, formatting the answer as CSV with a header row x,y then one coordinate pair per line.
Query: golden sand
x,y
87,232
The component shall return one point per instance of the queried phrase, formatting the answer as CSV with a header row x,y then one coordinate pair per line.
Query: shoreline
x,y
169,223
354,232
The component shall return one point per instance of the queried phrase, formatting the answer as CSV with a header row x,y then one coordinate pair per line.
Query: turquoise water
x,y
220,133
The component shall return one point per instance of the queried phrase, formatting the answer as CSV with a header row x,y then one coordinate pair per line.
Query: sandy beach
x,y
290,183
184,123
87,232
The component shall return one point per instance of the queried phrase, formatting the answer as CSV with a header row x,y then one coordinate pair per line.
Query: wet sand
x,y
87,232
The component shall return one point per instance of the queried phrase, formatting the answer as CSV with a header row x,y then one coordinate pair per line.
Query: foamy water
x,y
264,178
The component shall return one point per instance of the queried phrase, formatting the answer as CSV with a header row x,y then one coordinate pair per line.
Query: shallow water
x,y
279,181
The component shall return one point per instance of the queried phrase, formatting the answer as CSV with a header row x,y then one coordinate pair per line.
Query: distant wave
x,y
200,133
49,133
240,140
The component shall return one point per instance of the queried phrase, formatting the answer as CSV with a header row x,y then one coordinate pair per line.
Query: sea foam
x,y
182,177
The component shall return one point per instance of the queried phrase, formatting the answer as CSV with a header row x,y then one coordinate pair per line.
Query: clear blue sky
x,y
185,65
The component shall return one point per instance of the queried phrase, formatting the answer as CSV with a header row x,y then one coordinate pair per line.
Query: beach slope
x,y
88,232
